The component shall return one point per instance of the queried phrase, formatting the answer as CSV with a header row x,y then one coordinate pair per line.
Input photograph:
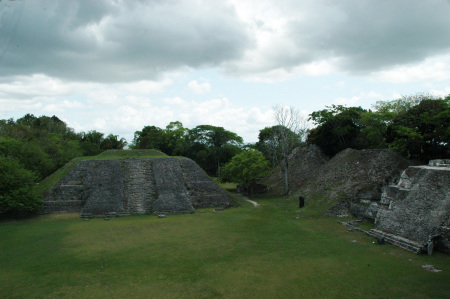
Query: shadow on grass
x,y
264,252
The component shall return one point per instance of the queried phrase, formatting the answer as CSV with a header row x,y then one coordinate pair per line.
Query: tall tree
x,y
90,142
93,137
338,128
422,132
223,144
151,137
176,138
288,134
270,142
113,142
403,104
378,121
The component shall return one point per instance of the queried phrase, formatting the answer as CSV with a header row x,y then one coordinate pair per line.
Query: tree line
x,y
416,126
32,148
209,146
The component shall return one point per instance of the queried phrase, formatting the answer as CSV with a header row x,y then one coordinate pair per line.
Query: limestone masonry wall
x,y
418,207
134,186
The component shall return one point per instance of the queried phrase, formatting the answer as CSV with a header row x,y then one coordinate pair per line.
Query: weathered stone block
x,y
106,192
419,213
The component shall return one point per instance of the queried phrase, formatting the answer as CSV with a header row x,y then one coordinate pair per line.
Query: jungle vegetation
x,y
32,148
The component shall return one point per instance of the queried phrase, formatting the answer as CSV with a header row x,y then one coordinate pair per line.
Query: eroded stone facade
x,y
135,186
417,209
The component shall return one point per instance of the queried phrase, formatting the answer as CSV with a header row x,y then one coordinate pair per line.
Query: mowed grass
x,y
272,251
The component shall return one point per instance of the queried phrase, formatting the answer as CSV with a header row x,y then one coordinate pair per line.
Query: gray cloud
x,y
111,41
119,41
368,36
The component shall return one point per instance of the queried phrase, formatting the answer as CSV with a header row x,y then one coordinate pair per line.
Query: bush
x,y
244,168
17,194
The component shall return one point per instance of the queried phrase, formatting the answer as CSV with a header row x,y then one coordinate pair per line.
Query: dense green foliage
x,y
422,132
207,145
415,126
338,128
32,148
245,168
272,251
270,142
17,195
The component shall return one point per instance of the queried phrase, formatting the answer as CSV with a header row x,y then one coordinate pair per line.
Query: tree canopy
x,y
415,126
278,141
245,168
31,148
423,131
338,128
209,146
17,195
270,141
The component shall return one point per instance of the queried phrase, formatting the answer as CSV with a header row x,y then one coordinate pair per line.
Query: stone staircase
x,y
139,187
172,194
110,188
414,212
390,195
393,192
398,241
390,238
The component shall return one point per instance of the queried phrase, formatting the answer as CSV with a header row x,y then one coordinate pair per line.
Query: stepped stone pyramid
x,y
416,212
98,188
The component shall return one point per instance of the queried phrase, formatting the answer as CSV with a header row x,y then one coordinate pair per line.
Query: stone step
x,y
393,192
72,183
56,206
397,241
137,187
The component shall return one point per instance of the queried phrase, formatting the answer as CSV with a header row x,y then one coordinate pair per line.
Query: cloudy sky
x,y
116,66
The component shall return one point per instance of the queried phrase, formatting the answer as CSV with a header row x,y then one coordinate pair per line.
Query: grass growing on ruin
x,y
50,181
129,154
272,251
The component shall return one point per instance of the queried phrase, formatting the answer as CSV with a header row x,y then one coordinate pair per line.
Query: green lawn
x,y
272,251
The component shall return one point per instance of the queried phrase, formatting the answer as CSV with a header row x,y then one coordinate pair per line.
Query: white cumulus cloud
x,y
199,88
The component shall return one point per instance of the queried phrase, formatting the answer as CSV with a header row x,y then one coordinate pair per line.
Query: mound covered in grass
x,y
346,183
128,154
303,163
122,186
51,181
354,178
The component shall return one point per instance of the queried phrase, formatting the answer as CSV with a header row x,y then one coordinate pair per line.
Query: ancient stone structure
x,y
353,179
410,207
135,186
304,162
415,213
